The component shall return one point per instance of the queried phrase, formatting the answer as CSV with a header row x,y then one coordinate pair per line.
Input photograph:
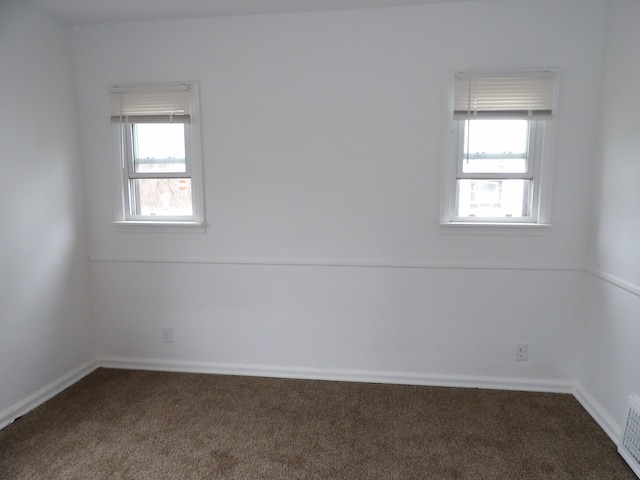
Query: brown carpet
x,y
119,424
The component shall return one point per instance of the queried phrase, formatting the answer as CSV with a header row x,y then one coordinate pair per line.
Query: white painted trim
x,y
45,393
367,376
331,264
593,408
616,281
611,428
131,226
496,229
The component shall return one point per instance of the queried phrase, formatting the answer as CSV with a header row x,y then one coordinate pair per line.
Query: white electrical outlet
x,y
522,352
167,334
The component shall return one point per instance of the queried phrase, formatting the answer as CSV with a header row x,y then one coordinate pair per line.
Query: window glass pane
x,y
163,196
493,198
495,146
159,147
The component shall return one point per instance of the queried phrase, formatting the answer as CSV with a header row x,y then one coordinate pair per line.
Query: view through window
x,y
492,149
159,150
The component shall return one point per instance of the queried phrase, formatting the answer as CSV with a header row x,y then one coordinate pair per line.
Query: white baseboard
x,y
610,427
608,424
45,393
400,378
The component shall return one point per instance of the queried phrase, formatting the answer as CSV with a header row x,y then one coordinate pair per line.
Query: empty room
x,y
320,239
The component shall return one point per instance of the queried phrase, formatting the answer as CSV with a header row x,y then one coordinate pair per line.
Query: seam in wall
x,y
612,279
330,264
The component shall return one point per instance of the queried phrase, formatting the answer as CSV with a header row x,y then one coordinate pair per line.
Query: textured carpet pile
x,y
119,424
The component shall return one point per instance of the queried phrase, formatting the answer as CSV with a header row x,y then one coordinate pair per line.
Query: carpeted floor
x,y
120,424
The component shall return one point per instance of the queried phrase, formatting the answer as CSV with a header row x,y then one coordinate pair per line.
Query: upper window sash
x,y
534,137
130,156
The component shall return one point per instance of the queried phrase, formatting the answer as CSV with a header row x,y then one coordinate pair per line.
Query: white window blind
x,y
506,95
151,105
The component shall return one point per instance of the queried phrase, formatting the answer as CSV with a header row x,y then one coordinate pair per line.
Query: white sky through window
x,y
160,140
496,136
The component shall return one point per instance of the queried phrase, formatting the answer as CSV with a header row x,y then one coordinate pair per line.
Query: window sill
x,y
478,228
159,227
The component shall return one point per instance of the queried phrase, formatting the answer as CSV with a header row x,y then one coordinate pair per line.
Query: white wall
x,y
322,140
323,257
610,352
45,328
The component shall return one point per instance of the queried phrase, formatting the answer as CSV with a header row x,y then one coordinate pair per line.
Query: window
x,y
159,168
500,132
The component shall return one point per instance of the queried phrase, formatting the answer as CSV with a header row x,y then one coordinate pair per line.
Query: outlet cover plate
x,y
167,334
522,352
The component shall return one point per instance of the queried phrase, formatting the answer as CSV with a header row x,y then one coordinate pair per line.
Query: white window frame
x,y
123,137
540,160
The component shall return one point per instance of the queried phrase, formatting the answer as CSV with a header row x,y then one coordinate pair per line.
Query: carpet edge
x,y
367,376
595,410
9,415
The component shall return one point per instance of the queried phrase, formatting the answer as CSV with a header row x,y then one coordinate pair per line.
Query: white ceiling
x,y
97,11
